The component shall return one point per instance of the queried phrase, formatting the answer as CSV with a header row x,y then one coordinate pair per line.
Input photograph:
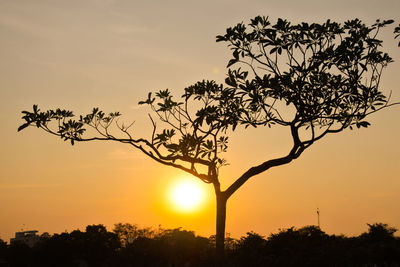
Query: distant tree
x,y
250,250
100,240
377,247
127,232
45,236
168,247
298,237
95,247
380,231
307,246
314,79
182,247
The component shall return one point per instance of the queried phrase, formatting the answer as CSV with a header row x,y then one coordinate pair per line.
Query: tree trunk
x,y
220,234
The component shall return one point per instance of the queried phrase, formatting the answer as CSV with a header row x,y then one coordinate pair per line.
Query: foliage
x,y
379,232
397,33
128,233
306,246
196,138
329,73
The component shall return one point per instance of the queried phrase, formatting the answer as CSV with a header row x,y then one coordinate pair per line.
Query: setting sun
x,y
186,196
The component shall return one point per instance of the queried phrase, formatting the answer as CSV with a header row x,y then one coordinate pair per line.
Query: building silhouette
x,y
29,238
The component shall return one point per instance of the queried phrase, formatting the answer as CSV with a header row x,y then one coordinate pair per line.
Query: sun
x,y
186,196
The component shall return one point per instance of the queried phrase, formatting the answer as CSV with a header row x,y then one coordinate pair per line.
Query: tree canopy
x,y
315,79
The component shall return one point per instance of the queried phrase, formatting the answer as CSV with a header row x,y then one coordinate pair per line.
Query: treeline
x,y
129,245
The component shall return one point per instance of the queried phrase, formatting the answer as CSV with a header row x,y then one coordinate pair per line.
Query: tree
x,y
315,79
127,232
379,232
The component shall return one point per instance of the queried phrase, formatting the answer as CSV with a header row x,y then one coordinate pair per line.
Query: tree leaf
x,y
23,126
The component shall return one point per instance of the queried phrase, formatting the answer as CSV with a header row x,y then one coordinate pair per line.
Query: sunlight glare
x,y
186,196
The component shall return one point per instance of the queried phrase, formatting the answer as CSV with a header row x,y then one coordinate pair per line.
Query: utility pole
x,y
318,217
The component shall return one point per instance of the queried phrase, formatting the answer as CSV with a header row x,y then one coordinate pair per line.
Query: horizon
x,y
161,228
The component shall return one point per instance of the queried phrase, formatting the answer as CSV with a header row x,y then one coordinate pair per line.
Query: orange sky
x,y
105,53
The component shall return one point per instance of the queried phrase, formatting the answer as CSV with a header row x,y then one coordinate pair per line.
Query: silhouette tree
x,y
314,79
250,250
397,33
127,233
377,247
379,232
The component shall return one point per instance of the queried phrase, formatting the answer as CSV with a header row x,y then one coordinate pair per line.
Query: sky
x,y
109,54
